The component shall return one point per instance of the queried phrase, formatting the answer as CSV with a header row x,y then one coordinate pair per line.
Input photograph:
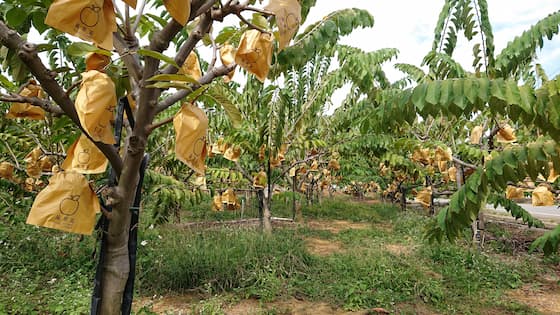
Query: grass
x,y
46,272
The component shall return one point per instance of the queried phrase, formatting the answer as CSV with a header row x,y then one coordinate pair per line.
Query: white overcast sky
x,y
408,25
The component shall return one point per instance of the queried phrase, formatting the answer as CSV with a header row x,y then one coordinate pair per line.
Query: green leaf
x,y
173,77
159,56
7,83
81,49
168,85
418,96
16,16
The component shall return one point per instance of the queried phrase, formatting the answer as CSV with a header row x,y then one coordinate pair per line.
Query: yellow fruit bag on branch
x,y
254,53
131,3
68,203
232,153
513,192
476,135
85,158
6,170
288,18
95,61
217,204
180,10
26,110
542,197
95,104
506,134
230,199
191,125
444,154
227,56
33,166
90,20
259,180
424,197
191,67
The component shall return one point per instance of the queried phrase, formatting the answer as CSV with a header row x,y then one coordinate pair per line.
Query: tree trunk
x,y
267,225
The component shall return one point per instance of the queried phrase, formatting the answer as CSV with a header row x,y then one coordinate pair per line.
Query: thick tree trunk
x,y
267,225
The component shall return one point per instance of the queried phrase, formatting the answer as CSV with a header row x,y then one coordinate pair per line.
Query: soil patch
x,y
400,249
322,247
185,304
545,299
335,226
177,304
290,306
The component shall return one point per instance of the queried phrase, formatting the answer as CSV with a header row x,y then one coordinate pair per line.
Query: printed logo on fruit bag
x,y
84,157
68,203
288,18
254,53
90,20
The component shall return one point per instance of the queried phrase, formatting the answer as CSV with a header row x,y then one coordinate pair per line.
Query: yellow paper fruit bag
x,y
232,153
552,175
288,18
26,110
67,203
259,180
452,172
191,125
513,192
90,20
422,156
476,134
217,204
131,3
314,166
191,67
254,53
275,162
180,10
444,154
85,158
230,199
542,197
282,152
333,165
227,55
424,197
33,166
95,104
6,170
95,61
506,134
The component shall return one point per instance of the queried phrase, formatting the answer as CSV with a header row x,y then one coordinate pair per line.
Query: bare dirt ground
x,y
545,298
189,304
335,226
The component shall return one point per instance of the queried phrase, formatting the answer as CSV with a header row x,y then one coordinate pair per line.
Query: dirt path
x,y
193,304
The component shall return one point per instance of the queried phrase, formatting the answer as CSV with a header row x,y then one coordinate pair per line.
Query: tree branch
x,y
163,122
27,52
465,164
124,49
43,103
196,35
205,79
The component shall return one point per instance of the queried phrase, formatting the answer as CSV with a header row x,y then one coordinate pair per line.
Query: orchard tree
x,y
138,43
501,87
